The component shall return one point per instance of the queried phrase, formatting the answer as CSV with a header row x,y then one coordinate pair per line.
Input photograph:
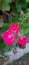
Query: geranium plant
x,y
11,36
14,23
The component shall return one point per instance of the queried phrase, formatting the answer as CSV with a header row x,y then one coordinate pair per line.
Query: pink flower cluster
x,y
9,37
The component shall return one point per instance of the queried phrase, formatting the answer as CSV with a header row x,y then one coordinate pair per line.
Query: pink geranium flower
x,y
8,37
14,28
22,40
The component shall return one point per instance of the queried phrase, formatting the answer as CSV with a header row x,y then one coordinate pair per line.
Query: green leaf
x,y
8,47
1,52
5,5
27,1
18,6
5,27
27,15
13,19
24,31
15,14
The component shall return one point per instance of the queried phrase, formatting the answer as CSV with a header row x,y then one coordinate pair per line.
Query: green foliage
x,y
27,1
4,5
5,27
20,5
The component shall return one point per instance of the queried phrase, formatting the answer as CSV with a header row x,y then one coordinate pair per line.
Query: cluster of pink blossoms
x,y
9,37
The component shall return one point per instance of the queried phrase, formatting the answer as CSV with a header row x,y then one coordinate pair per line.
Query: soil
x,y
22,62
